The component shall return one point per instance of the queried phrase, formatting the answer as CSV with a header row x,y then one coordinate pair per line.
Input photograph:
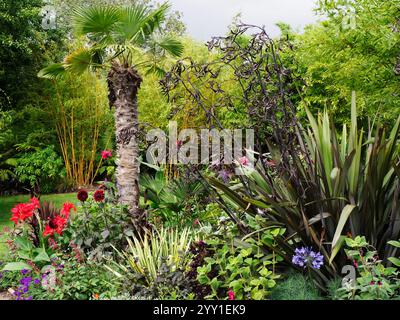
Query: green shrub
x,y
41,170
98,226
177,202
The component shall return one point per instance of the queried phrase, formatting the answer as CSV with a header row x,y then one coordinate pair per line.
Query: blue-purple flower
x,y
306,257
25,271
24,286
225,175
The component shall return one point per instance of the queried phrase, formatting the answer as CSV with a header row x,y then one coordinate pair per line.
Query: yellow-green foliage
x,y
146,255
191,115
336,57
154,108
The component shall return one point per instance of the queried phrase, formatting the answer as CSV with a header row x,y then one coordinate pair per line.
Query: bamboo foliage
x,y
81,118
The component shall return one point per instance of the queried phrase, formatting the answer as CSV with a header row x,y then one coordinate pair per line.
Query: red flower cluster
x,y
98,196
58,223
106,154
67,207
23,211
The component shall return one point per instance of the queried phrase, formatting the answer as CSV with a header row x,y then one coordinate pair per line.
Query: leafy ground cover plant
x,y
373,280
236,268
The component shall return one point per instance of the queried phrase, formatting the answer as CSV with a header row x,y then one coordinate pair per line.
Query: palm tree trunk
x,y
123,84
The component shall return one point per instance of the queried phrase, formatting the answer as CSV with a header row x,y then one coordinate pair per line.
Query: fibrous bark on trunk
x,y
123,83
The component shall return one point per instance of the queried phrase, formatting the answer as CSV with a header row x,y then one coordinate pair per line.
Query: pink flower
x,y
106,154
355,263
179,144
231,295
244,161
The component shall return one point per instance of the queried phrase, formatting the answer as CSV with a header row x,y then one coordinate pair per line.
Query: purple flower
x,y
36,281
60,266
304,257
225,175
24,271
26,281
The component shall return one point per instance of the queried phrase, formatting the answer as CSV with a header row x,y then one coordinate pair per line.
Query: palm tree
x,y
121,40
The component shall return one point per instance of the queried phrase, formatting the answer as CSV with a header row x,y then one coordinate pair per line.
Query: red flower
x,y
48,230
106,154
67,207
23,211
231,295
55,225
98,196
35,202
82,195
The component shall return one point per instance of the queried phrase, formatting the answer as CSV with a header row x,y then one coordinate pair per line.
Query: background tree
x,y
355,47
121,40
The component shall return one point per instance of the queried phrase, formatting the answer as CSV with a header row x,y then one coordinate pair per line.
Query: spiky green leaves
x,y
118,32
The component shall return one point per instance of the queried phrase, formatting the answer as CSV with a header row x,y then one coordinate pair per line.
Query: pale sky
x,y
207,18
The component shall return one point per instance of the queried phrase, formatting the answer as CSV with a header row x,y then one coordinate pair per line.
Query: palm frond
x,y
168,44
154,68
155,19
97,21
132,21
79,61
53,71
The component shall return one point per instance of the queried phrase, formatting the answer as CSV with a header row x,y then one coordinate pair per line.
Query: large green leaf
x,y
16,266
169,44
395,261
344,216
41,255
